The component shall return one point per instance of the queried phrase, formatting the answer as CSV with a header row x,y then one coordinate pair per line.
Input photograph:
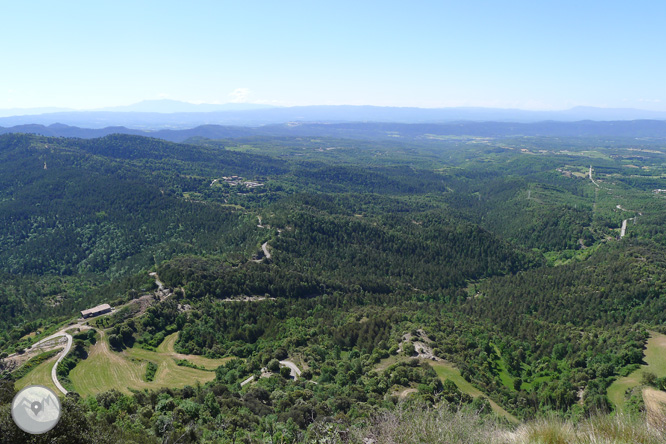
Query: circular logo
x,y
36,409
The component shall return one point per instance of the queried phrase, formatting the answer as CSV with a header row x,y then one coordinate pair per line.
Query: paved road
x,y
623,230
68,347
591,177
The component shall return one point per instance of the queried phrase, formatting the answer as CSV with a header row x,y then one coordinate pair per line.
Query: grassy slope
x,y
40,375
447,371
504,375
655,403
167,347
105,370
655,357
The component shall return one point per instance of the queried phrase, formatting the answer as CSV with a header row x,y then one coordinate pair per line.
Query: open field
x,y
655,357
166,347
40,375
105,370
387,362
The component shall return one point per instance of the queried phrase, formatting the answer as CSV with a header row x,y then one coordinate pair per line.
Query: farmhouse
x,y
96,311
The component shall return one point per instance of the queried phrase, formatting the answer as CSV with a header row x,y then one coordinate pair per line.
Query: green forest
x,y
513,279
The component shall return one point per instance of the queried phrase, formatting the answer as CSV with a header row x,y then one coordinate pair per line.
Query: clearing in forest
x,y
447,371
655,357
106,370
167,347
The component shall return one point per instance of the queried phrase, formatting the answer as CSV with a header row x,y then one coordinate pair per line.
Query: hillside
x,y
402,279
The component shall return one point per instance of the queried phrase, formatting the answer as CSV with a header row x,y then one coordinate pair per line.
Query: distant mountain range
x,y
162,106
170,114
371,130
175,106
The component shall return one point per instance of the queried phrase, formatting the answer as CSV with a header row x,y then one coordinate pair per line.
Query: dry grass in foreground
x,y
407,425
605,429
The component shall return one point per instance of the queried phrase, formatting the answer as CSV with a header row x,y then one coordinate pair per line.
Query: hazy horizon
x,y
258,105
509,55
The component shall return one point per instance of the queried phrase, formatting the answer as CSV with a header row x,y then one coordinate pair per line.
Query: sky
x,y
503,54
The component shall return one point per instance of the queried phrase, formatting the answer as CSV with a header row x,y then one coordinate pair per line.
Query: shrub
x,y
150,371
273,365
285,372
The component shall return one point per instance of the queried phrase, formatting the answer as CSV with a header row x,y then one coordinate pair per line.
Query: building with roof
x,y
96,311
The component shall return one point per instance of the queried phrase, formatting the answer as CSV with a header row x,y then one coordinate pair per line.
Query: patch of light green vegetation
x,y
655,358
504,375
563,257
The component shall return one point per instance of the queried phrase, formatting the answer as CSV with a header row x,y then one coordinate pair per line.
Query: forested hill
x,y
77,214
524,270
370,130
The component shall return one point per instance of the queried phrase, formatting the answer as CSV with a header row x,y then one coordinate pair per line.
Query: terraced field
x,y
105,370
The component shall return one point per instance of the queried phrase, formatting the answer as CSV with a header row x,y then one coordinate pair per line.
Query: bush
x,y
649,378
285,372
408,349
273,365
150,371
116,342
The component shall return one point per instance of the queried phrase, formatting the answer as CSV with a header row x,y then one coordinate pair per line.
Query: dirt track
x,y
48,343
295,372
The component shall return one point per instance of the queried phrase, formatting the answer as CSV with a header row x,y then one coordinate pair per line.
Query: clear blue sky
x,y
518,54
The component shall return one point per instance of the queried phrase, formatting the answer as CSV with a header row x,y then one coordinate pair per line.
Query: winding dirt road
x,y
54,370
63,353
266,252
